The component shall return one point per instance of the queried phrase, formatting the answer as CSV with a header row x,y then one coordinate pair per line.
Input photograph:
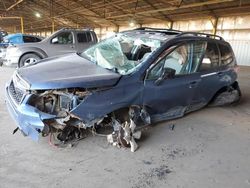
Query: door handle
x,y
220,74
193,84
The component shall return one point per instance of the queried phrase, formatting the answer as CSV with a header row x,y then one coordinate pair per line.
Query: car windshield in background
x,y
122,53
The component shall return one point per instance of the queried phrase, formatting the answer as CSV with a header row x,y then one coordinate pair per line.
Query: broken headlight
x,y
55,101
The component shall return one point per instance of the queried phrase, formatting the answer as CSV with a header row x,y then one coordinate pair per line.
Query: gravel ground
x,y
207,148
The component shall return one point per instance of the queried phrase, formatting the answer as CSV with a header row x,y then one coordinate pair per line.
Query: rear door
x,y
173,96
215,71
84,40
209,73
62,43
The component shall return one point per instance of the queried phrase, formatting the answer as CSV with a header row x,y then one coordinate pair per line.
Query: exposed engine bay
x,y
67,127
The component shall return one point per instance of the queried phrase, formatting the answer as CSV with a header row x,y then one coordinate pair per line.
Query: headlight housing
x,y
19,82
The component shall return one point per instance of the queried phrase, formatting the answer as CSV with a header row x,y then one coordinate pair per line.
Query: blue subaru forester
x,y
130,80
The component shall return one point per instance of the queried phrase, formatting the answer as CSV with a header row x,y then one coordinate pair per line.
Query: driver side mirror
x,y
54,40
166,73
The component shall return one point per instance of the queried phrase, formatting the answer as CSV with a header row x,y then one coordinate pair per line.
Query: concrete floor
x,y
207,148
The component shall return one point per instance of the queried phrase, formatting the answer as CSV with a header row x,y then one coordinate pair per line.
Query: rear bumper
x,y
27,118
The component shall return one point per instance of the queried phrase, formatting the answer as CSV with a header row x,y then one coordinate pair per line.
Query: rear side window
x,y
84,37
27,39
210,60
227,56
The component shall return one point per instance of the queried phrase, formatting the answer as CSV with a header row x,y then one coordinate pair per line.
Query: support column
x,y
53,25
22,28
52,16
171,25
117,29
215,23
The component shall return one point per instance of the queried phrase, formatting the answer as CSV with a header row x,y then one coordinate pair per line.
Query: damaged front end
x,y
50,113
60,103
68,126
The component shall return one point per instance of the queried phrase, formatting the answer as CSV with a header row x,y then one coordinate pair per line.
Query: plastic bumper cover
x,y
27,118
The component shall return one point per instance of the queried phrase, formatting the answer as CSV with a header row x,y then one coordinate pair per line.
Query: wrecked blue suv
x,y
130,80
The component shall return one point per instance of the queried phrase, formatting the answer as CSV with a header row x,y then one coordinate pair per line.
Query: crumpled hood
x,y
67,71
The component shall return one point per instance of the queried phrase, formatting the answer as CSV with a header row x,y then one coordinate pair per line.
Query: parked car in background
x,y
14,39
133,79
2,34
61,42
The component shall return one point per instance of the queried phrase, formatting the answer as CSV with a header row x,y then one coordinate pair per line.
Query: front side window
x,y
63,38
184,59
211,59
227,56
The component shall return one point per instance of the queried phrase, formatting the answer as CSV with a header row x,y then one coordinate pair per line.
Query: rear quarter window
x,y
211,59
38,40
227,56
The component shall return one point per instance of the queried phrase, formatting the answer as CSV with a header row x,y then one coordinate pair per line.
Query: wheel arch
x,y
234,85
38,52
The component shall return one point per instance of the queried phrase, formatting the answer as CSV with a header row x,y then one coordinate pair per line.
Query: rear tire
x,y
28,59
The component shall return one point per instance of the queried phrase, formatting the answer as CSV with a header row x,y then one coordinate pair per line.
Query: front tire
x,y
28,59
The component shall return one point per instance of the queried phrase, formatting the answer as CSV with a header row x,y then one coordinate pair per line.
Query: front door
x,y
171,97
62,43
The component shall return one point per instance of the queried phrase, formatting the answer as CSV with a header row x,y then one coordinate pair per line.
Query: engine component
x,y
125,136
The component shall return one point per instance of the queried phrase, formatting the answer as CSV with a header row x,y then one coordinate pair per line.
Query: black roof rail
x,y
71,28
158,30
200,34
179,33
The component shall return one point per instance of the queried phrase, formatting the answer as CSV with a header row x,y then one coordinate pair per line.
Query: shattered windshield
x,y
122,53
